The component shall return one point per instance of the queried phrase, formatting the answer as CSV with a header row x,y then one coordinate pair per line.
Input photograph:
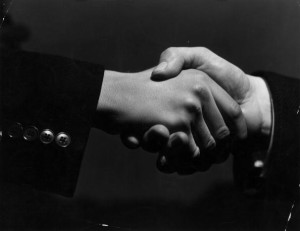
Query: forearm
x,y
49,93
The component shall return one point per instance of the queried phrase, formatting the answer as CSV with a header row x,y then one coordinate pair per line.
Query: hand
x,y
132,103
249,92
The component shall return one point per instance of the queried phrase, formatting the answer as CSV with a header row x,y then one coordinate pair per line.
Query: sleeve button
x,y
15,130
63,140
30,133
46,136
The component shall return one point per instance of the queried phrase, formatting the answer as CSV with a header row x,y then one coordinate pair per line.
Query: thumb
x,y
170,65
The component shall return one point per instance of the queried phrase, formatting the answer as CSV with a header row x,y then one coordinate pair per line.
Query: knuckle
x,y
236,111
198,76
201,91
203,50
177,123
203,78
169,52
159,130
191,104
183,123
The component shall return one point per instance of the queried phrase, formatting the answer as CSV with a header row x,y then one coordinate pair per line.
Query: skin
x,y
145,112
249,92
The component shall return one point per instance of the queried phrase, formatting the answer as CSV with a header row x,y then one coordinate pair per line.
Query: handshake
x,y
191,109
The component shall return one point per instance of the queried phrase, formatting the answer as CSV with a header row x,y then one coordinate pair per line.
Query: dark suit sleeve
x,y
281,164
276,180
283,167
282,178
43,95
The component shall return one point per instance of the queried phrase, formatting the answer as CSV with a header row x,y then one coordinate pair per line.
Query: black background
x,y
123,187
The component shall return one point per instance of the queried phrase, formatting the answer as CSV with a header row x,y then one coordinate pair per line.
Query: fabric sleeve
x,y
257,171
47,108
282,164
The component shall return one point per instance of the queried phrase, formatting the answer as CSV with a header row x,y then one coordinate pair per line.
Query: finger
x,y
179,156
223,150
203,161
170,65
212,116
155,138
168,158
230,111
130,141
203,137
224,73
209,127
212,150
191,152
181,149
218,129
200,160
163,165
227,75
183,156
175,59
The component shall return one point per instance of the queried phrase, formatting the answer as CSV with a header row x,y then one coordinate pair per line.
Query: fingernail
x,y
162,66
196,153
163,161
133,142
211,145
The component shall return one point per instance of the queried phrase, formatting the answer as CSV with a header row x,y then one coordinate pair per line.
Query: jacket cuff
x,y
257,172
282,167
46,94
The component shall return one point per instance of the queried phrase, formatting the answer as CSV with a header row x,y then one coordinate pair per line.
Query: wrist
x,y
263,99
109,100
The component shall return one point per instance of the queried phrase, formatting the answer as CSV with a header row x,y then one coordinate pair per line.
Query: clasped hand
x,y
190,119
